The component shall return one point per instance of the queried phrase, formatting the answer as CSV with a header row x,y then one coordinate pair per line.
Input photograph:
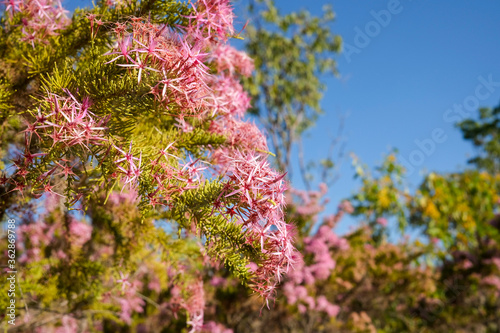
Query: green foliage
x,y
484,133
457,208
383,194
225,239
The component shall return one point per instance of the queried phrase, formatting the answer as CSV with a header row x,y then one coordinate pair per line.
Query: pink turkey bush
x,y
195,306
212,20
69,122
178,64
185,82
49,236
321,246
229,59
228,96
213,327
257,195
63,123
40,18
240,135
311,202
79,150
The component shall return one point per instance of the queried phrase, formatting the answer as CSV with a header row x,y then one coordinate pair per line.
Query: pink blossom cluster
x,y
318,263
254,197
492,280
319,246
122,198
195,306
175,63
41,236
190,296
212,20
346,207
65,123
40,18
182,80
79,232
69,324
173,176
129,300
295,288
69,122
228,96
213,327
229,59
32,238
129,166
299,295
241,136
230,102
126,291
382,221
311,202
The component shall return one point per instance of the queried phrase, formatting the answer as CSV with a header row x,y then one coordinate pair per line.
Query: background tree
x,y
483,132
291,53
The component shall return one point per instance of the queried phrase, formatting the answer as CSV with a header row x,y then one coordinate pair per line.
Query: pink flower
x,y
129,304
466,264
492,280
71,122
302,308
123,45
382,221
227,58
195,306
69,325
332,310
212,19
178,62
218,281
40,19
228,97
80,232
311,303
323,305
128,167
213,327
346,206
123,280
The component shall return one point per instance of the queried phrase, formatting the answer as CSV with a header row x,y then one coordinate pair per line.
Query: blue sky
x,y
407,83
404,82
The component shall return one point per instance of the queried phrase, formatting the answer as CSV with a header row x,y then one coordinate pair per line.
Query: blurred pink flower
x,y
382,221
